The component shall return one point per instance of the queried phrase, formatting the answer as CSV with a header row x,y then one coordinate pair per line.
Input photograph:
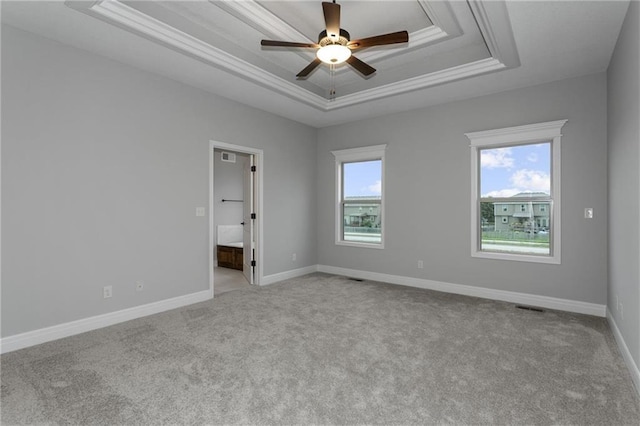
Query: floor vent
x,y
529,308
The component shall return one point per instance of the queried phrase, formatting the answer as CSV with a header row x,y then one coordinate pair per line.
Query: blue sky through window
x,y
363,178
507,171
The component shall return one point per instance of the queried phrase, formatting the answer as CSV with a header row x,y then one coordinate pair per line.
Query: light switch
x,y
588,213
199,211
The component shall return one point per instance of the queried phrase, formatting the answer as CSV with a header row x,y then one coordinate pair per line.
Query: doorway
x,y
235,217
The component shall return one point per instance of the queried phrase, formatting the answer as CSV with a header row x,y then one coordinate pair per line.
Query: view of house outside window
x,y
361,201
516,199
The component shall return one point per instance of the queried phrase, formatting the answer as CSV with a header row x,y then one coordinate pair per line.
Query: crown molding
x,y
417,39
439,77
526,133
255,15
494,25
169,36
441,16
120,14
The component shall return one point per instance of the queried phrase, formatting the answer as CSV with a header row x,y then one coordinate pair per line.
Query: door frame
x,y
258,207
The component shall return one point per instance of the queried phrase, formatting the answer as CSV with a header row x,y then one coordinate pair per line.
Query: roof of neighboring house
x,y
530,194
363,197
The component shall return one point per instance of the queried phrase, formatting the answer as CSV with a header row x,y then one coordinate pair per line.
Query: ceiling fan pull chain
x,y
332,82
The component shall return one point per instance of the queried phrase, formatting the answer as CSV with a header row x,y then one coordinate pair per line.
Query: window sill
x,y
361,245
554,260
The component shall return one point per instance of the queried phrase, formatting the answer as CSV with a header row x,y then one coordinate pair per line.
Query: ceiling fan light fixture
x,y
333,54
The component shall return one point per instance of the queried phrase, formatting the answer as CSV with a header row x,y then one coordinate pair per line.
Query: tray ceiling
x,y
449,42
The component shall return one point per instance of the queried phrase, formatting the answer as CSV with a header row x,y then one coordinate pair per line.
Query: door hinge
x,y
253,263
253,215
253,168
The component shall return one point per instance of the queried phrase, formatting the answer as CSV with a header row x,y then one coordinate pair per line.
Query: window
x,y
518,166
360,196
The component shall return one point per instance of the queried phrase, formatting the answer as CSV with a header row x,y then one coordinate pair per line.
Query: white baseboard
x,y
467,290
286,275
626,354
35,337
31,338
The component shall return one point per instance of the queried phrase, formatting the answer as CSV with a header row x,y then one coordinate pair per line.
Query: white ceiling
x,y
456,49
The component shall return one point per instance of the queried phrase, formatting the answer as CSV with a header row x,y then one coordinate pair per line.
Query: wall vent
x,y
228,157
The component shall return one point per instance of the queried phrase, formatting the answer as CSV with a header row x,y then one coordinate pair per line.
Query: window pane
x,y
362,189
514,231
362,180
361,222
517,176
505,172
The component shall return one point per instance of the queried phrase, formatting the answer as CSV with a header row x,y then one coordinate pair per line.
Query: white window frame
x,y
367,153
514,136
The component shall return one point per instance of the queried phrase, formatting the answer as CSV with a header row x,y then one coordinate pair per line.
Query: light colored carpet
x,y
327,350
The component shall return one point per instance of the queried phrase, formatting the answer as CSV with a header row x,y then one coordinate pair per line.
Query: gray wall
x,y
624,181
428,191
102,168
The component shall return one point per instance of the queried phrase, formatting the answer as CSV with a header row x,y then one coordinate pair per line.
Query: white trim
x,y
552,260
530,133
31,338
259,207
442,16
518,134
361,244
36,337
212,237
262,19
495,26
467,290
114,11
364,153
459,72
417,39
624,350
360,154
287,275
131,18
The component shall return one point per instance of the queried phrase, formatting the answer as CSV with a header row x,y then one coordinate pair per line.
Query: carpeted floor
x,y
323,349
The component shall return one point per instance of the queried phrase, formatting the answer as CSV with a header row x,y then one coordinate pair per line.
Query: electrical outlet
x,y
420,264
588,213
293,257
139,285
107,291
200,211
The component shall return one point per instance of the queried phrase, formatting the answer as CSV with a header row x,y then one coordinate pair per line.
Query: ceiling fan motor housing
x,y
343,39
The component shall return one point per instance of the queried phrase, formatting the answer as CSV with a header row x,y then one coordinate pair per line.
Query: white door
x,y
247,221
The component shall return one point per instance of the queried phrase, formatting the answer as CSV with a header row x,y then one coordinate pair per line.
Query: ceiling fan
x,y
335,45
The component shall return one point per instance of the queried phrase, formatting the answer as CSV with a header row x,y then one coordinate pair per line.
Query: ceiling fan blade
x,y
277,43
332,18
307,70
380,40
364,68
